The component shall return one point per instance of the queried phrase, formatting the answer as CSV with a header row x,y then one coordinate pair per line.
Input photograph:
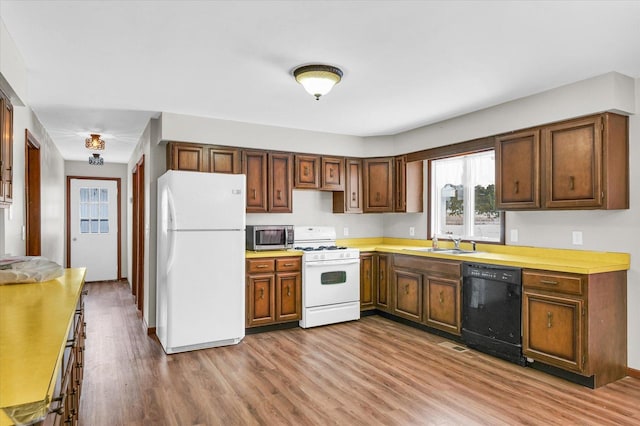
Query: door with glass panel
x,y
93,225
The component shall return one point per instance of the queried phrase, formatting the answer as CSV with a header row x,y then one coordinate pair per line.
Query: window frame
x,y
454,150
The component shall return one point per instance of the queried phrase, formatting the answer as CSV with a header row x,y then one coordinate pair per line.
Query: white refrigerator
x,y
200,298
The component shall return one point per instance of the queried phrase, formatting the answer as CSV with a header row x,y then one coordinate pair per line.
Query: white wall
x,y
603,230
84,169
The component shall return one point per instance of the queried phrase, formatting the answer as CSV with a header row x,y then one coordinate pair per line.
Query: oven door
x,y
332,281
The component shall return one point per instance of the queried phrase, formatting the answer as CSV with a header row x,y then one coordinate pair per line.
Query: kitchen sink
x,y
441,250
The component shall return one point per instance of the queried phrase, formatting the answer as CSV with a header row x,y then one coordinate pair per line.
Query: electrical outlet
x,y
576,238
345,231
412,231
514,235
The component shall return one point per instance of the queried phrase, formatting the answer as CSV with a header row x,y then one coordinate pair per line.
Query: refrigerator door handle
x,y
171,235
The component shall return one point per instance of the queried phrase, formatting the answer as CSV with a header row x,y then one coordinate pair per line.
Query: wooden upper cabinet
x,y
575,164
186,156
280,183
518,170
222,160
6,150
350,200
587,163
307,172
408,185
332,174
378,184
254,165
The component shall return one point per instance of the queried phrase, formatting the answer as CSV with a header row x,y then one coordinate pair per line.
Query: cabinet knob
x,y
253,193
306,170
377,196
279,194
262,293
516,187
288,291
571,183
406,289
549,320
441,297
353,196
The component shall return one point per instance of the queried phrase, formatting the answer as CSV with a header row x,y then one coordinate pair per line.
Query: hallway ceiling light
x,y
94,142
318,80
96,160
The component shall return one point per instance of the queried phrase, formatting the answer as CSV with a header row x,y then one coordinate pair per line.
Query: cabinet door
x,y
260,300
442,304
350,200
332,174
367,280
408,294
378,185
189,157
288,296
382,293
553,330
254,165
307,172
224,160
400,184
281,180
518,170
6,150
573,156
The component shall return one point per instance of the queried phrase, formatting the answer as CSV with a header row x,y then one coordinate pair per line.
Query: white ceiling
x,y
107,66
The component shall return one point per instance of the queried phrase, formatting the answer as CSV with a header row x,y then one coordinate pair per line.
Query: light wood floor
x,y
369,372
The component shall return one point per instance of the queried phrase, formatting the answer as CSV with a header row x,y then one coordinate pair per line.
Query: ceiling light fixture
x,y
318,80
94,142
96,160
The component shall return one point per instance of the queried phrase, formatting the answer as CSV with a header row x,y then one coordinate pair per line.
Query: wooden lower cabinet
x,y
368,278
408,292
274,290
65,406
442,302
576,322
382,288
428,291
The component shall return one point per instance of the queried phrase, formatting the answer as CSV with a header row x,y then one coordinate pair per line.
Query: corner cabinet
x,y
374,282
6,151
576,322
575,164
274,290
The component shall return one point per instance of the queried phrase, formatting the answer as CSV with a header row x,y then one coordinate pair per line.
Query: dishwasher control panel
x,y
492,273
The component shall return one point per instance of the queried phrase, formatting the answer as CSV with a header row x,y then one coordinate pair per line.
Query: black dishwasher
x,y
492,310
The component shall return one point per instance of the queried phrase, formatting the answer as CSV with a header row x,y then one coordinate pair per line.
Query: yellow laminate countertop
x,y
559,260
271,253
35,320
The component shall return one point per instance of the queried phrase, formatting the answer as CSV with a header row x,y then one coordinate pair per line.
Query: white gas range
x,y
330,277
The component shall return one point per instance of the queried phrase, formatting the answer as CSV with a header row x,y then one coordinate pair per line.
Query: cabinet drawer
x,y
288,264
551,281
260,265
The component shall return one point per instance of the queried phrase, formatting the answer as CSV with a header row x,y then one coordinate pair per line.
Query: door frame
x,y
32,195
137,234
119,201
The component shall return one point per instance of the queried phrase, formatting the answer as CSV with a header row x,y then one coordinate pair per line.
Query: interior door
x,y
93,222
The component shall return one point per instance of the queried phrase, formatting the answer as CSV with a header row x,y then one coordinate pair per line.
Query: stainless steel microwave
x,y
269,237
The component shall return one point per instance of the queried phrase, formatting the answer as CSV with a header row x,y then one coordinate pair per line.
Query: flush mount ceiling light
x,y
318,80
94,142
96,160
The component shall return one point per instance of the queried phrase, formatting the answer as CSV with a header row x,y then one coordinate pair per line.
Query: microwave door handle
x,y
286,236
332,262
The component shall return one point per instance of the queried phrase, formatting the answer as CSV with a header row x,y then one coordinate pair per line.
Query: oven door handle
x,y
332,262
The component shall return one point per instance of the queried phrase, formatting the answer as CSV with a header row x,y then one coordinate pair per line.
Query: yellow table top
x,y
559,260
35,320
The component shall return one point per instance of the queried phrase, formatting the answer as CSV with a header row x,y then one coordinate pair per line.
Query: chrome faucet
x,y
456,240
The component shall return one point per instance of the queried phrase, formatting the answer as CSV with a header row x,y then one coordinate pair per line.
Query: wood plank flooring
x,y
368,372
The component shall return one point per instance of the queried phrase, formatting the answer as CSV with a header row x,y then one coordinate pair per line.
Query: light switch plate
x,y
412,231
345,231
